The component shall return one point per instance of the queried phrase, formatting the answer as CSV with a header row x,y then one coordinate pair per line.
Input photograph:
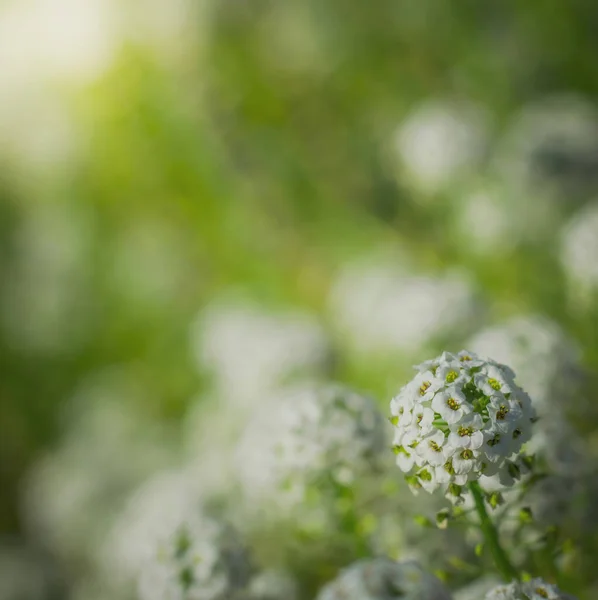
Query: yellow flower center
x,y
452,404
424,387
495,440
463,431
494,384
434,446
451,376
501,413
467,454
541,592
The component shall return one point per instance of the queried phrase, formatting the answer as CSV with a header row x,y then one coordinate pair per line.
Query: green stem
x,y
503,564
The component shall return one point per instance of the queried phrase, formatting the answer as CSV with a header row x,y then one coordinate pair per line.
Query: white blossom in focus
x,y
546,360
536,589
251,352
382,309
461,417
579,249
384,579
195,558
310,432
439,142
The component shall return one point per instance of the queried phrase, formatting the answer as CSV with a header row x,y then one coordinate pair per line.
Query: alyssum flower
x,y
536,589
384,579
461,417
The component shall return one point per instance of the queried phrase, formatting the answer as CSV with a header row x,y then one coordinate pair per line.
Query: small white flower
x,y
425,384
451,372
431,448
497,445
423,418
536,589
464,460
467,433
505,414
492,380
451,404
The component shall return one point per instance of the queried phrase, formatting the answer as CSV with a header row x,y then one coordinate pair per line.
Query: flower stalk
x,y
501,559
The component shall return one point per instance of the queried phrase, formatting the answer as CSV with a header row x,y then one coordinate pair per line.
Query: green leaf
x,y
423,521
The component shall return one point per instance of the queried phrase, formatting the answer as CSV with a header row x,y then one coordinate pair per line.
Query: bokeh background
x,y
201,200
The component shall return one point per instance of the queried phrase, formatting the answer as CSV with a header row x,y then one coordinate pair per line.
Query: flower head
x,y
461,416
309,433
536,589
199,558
384,579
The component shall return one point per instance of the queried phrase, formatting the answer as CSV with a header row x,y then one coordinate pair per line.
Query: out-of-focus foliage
x,y
204,202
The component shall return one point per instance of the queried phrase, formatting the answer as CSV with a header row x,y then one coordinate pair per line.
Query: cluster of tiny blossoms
x,y
536,589
384,579
461,417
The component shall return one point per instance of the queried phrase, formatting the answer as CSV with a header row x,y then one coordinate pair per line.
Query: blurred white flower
x,y
309,433
194,558
384,579
152,512
551,145
579,251
382,309
477,589
547,361
493,216
71,494
536,589
439,142
251,352
272,585
461,417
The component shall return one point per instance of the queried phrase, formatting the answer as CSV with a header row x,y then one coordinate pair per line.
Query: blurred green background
x,y
158,157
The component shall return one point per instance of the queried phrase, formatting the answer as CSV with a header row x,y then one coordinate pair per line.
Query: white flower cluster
x,y
199,559
536,589
579,251
272,585
422,139
151,513
461,417
71,495
551,145
381,308
250,352
311,431
384,579
546,360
